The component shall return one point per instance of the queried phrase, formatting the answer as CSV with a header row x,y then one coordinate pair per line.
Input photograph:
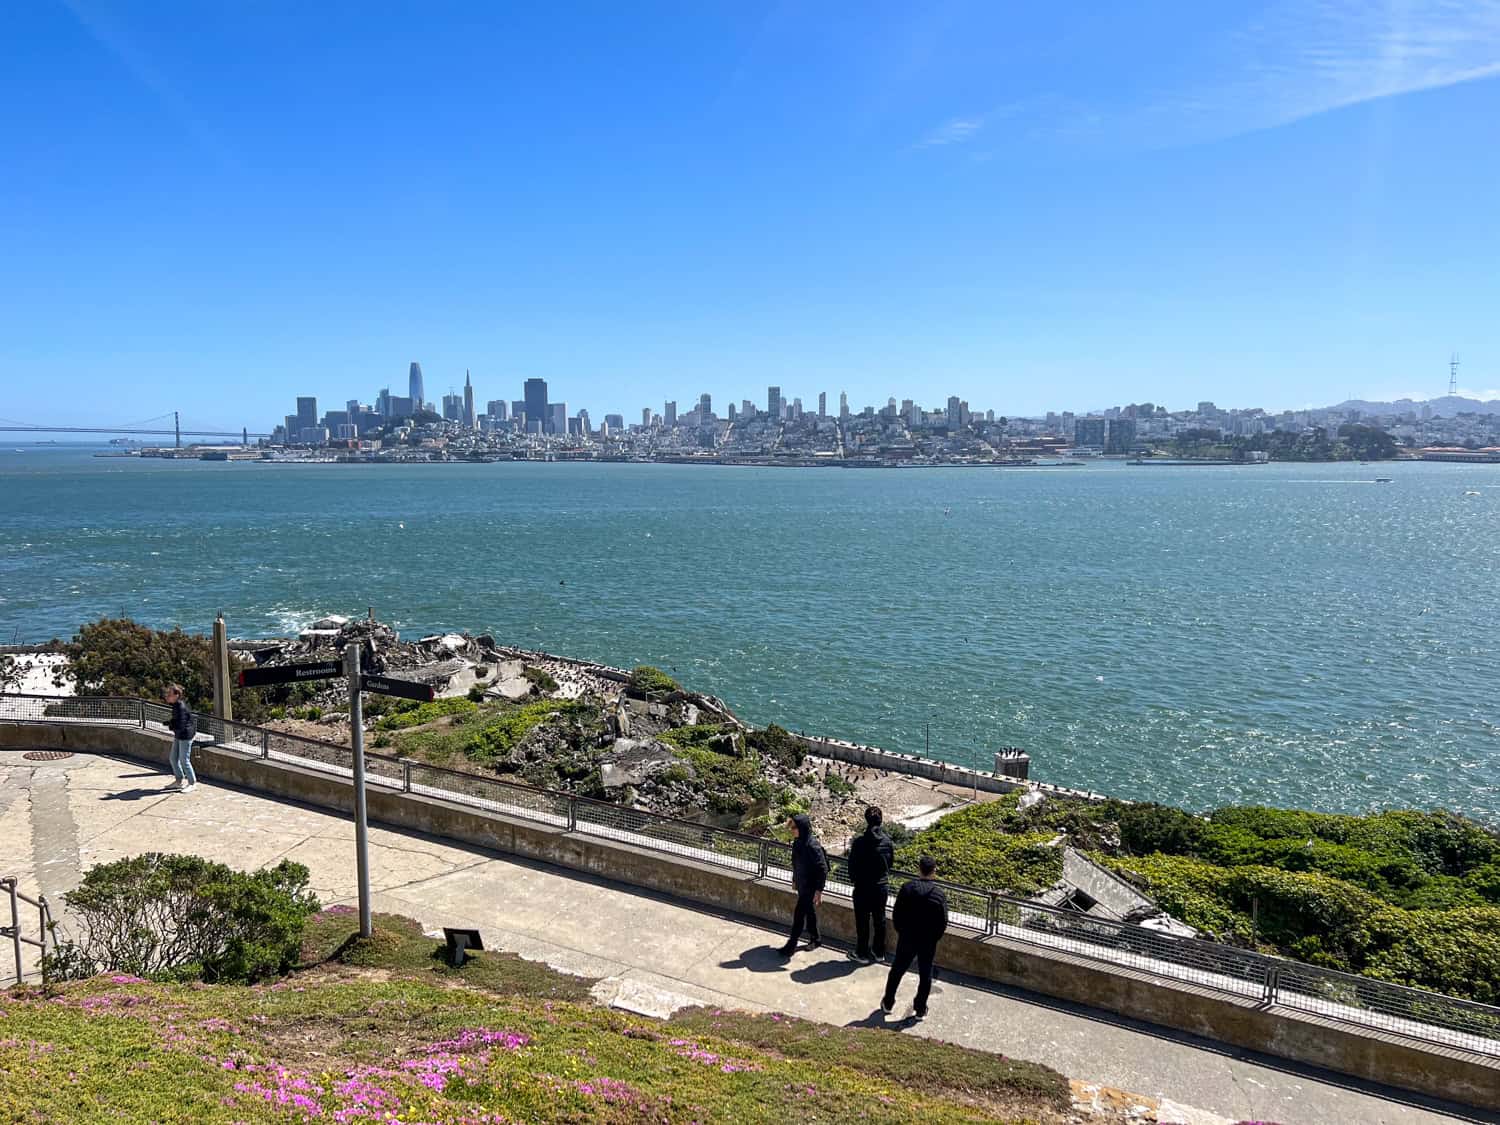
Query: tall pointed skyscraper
x,y
469,420
415,387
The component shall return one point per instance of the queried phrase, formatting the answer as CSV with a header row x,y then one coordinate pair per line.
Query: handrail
x,y
10,886
1445,1020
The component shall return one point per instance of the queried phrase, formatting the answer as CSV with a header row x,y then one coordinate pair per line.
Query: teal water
x,y
1293,635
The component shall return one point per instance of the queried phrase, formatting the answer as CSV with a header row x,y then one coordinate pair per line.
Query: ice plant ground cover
x,y
383,1031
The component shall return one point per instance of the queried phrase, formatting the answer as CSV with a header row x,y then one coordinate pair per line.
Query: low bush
x,y
971,846
651,680
539,678
779,745
185,917
424,713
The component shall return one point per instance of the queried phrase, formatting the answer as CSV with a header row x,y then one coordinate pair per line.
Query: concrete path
x,y
651,954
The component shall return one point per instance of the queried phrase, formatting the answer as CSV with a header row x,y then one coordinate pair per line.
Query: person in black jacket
x,y
870,859
809,874
920,917
184,727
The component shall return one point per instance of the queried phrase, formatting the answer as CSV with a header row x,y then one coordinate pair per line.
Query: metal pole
x,y
15,925
928,728
223,704
361,837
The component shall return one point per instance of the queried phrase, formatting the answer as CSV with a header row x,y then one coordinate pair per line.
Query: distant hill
x,y
1447,406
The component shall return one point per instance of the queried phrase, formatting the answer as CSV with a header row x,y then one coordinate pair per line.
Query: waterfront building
x,y
773,401
1089,431
536,399
557,418
669,415
414,388
1121,435
468,401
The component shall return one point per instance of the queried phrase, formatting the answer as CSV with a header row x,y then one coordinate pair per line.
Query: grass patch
x,y
425,713
729,771
378,1030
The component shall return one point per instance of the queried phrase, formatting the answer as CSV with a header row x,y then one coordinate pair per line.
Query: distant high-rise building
x,y
705,406
822,404
401,406
557,418
414,386
518,410
583,422
497,409
955,412
669,415
615,422
453,405
469,420
747,408
1121,435
731,412
307,412
843,404
796,409
292,426
1089,431
773,401
645,417
383,402
352,406
536,401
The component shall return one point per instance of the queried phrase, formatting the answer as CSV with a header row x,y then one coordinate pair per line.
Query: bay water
x,y
1294,635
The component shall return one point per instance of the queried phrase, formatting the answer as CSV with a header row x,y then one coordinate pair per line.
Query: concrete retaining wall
x,y
1363,1053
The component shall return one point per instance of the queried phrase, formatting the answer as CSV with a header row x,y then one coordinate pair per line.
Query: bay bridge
x,y
155,427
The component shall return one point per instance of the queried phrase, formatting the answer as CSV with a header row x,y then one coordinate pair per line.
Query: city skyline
x,y
1030,209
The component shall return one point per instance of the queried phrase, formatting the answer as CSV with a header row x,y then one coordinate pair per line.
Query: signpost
x,y
290,673
359,683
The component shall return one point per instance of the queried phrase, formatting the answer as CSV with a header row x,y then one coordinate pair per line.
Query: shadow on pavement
x,y
878,1018
825,970
757,959
137,794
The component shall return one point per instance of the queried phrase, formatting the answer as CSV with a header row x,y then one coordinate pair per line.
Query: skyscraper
x,y
645,417
469,420
773,401
843,404
557,418
452,407
705,406
498,409
955,412
307,412
414,386
669,416
822,404
536,401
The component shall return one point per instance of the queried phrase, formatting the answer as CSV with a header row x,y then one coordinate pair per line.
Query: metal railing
x,y
16,932
1364,1001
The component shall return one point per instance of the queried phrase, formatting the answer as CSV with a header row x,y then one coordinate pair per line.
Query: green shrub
x,y
651,680
778,745
424,713
1452,951
311,714
475,693
971,847
182,916
1187,889
539,678
837,785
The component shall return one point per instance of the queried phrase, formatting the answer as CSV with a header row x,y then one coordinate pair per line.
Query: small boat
x,y
1471,492
1382,480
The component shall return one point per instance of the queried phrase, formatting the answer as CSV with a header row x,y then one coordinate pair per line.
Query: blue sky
x,y
215,207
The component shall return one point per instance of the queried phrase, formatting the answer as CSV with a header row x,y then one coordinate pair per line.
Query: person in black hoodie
x,y
809,874
184,727
920,917
870,859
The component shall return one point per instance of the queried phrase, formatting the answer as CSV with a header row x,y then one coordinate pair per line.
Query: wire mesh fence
x,y
1423,1015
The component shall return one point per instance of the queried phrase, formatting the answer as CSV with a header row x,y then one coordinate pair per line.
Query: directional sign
x,y
407,689
290,673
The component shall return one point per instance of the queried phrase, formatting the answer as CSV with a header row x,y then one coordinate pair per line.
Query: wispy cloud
x,y
954,132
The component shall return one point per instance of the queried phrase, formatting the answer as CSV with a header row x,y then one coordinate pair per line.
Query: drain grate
x,y
47,755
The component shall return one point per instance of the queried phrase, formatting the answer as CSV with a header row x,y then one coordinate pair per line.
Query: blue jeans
x,y
182,760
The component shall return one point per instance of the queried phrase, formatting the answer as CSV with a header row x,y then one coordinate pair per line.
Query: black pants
x,y
905,952
869,908
806,914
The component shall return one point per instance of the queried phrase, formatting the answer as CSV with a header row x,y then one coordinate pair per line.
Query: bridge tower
x,y
177,427
1453,375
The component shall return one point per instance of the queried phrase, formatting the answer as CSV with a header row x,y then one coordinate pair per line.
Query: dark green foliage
x,y
185,917
539,678
837,785
475,694
779,745
115,656
651,680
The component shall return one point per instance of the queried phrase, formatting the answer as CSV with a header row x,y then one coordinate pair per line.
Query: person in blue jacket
x,y
184,727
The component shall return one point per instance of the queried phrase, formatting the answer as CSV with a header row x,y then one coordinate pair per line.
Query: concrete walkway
x,y
652,954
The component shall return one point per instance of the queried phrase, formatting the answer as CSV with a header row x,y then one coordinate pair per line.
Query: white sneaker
x,y
190,787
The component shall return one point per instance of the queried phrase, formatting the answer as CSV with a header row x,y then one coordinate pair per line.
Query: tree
x,y
117,656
